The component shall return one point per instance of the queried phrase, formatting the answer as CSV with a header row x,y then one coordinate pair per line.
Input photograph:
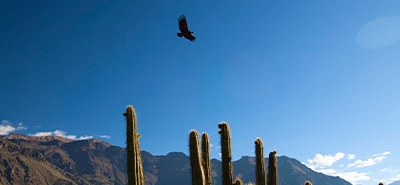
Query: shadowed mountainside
x,y
56,160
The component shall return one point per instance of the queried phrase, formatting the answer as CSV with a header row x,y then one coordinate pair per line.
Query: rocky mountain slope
x,y
56,160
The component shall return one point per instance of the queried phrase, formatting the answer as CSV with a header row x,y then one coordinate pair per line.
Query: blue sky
x,y
315,80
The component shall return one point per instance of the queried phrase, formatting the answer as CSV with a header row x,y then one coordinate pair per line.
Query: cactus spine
x,y
197,170
226,154
272,169
205,158
260,163
134,158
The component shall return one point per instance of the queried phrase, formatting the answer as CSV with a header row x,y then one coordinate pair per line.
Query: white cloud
x,y
375,159
7,128
389,169
327,171
211,145
352,177
21,127
61,133
322,161
396,178
85,137
385,180
105,136
42,134
361,164
220,154
380,158
351,156
388,180
355,177
381,154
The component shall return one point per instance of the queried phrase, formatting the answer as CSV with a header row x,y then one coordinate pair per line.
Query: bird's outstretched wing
x,y
183,24
191,37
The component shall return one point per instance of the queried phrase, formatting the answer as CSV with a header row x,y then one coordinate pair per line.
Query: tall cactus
x,y
272,169
197,170
227,174
205,158
260,163
134,158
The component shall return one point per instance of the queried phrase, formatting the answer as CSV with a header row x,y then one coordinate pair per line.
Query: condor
x,y
183,27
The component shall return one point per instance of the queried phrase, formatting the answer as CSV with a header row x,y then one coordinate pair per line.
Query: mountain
x,y
49,160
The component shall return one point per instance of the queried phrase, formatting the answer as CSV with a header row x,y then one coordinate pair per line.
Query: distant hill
x,y
56,160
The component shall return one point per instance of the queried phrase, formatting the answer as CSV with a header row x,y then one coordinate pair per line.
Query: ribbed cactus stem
x,y
134,158
260,163
308,183
197,170
272,169
238,182
227,174
205,158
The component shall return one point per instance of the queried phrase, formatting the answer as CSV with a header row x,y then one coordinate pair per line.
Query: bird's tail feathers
x,y
179,34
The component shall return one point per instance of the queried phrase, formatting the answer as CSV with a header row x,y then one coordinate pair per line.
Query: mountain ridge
x,y
58,160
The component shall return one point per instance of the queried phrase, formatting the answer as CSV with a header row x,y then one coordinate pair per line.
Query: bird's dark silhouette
x,y
183,27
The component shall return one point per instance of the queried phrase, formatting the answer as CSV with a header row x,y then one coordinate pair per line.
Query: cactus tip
x,y
220,125
308,183
193,132
130,108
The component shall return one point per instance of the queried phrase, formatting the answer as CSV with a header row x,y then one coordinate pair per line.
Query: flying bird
x,y
183,27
